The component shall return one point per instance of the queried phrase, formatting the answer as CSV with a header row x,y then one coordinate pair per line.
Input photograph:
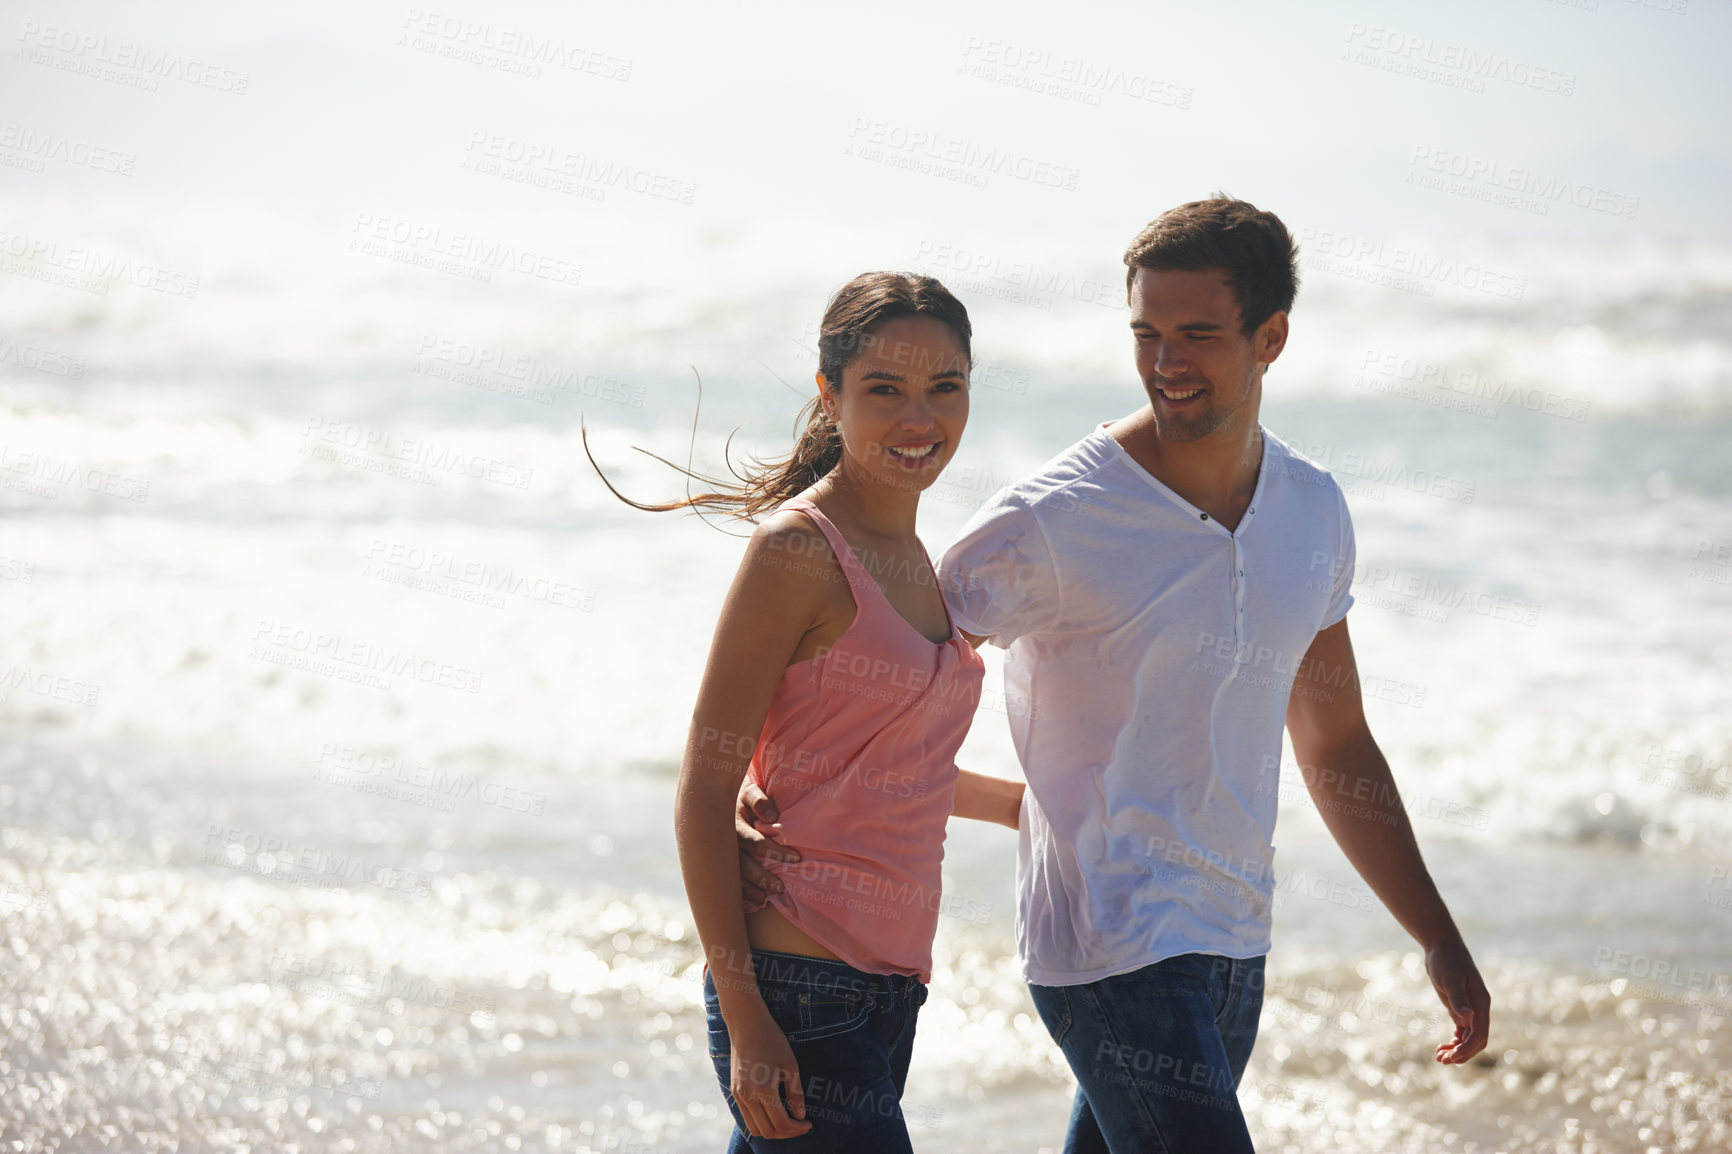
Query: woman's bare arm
x,y
770,607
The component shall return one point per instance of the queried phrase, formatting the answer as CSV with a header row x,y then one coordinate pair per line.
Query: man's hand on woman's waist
x,y
757,825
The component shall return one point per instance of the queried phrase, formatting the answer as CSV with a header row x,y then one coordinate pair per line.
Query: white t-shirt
x,y
1151,656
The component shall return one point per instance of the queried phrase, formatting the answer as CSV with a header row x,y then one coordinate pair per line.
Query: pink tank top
x,y
859,752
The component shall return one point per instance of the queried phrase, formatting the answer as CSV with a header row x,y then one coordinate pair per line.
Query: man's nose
x,y
1170,361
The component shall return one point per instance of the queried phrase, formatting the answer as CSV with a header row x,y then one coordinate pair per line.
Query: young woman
x,y
837,681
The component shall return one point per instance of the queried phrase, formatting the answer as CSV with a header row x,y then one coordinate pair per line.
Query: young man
x,y
1156,586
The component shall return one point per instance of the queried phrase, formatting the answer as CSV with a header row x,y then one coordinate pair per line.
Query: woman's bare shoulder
x,y
789,540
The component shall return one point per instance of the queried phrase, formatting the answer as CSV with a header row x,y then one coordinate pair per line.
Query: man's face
x,y
1197,365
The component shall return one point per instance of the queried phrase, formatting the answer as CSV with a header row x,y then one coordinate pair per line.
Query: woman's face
x,y
903,403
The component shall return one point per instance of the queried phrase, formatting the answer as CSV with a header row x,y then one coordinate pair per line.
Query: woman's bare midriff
x,y
767,929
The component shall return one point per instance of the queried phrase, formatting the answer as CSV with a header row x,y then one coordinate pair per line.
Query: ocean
x,y
341,706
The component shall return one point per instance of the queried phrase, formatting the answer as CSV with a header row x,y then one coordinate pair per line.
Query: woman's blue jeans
x,y
852,1034
1158,1053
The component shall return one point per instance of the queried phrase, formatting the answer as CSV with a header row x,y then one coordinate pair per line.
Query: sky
x,y
1543,119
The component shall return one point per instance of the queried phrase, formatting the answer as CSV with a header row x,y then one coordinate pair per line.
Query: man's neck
x,y
1216,473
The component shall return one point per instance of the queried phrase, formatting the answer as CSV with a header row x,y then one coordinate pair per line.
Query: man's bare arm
x,y
1350,782
983,797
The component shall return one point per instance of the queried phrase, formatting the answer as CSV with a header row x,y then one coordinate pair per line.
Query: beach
x,y
341,707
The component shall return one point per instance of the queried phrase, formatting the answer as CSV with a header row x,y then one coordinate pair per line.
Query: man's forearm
x,y
1355,792
986,798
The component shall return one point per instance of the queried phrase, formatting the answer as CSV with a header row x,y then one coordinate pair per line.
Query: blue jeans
x,y
852,1034
1158,1054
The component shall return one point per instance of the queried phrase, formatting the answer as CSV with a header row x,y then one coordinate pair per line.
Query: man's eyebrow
x,y
1187,327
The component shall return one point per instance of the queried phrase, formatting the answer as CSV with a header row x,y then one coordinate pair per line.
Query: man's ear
x,y
1271,338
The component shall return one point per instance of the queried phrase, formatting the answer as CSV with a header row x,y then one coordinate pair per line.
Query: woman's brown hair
x,y
859,308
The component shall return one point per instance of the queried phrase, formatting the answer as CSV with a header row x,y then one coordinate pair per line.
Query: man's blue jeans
x,y
1158,1054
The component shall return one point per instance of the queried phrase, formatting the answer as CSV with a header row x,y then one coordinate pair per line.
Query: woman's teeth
x,y
914,454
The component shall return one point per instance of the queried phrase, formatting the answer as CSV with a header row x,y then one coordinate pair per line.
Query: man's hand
x,y
1457,982
754,809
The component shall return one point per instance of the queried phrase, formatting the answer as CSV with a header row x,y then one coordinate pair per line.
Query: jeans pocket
x,y
809,1014
1052,1003
715,1026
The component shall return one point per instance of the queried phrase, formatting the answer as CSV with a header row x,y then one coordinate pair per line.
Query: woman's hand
x,y
762,1067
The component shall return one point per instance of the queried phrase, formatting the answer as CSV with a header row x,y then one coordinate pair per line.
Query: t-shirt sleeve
x,y
999,578
1341,595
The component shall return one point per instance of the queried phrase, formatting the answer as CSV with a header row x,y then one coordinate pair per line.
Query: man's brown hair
x,y
1252,247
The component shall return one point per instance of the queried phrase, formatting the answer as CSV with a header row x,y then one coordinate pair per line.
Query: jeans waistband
x,y
822,975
